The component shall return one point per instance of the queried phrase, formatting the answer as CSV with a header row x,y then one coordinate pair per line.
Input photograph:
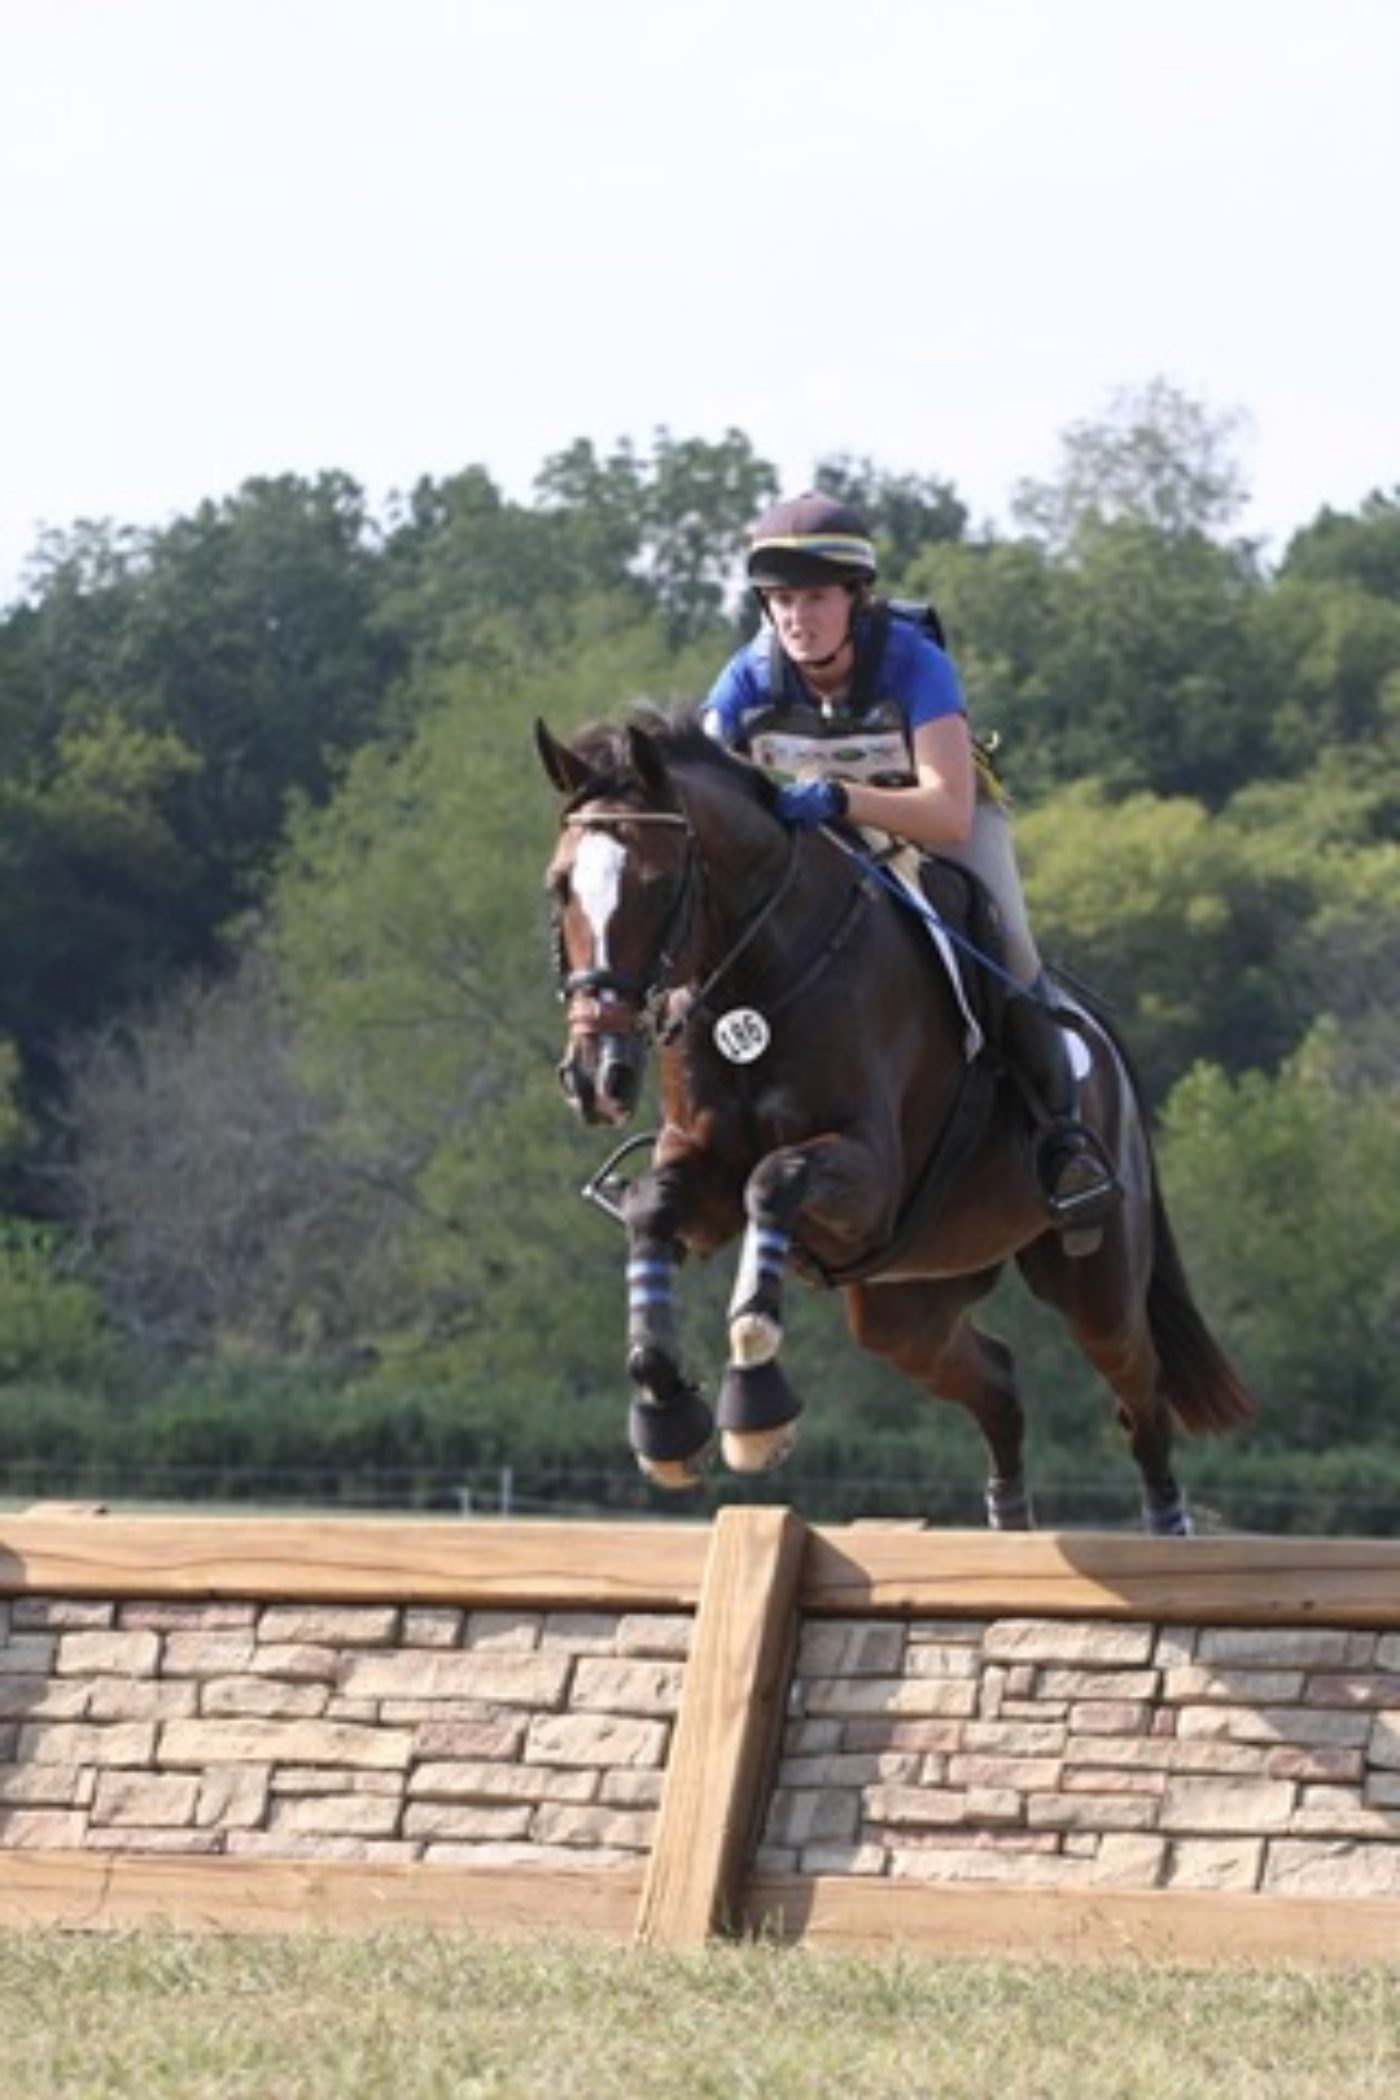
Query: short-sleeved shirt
x,y
761,706
913,672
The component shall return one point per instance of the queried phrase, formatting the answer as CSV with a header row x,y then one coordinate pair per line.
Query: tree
x,y
1156,457
87,830
254,640
1334,651
202,1200
679,520
1288,1192
468,577
1362,549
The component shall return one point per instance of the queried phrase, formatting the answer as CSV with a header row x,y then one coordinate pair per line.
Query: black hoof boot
x,y
672,1444
757,1414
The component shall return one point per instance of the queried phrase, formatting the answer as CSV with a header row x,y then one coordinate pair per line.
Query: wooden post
x,y
732,1704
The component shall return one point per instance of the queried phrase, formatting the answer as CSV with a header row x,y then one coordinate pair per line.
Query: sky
x,y
397,238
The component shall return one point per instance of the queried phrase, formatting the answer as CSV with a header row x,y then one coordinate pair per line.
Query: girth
x,y
961,1132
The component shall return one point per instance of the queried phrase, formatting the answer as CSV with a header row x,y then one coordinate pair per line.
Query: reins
x,y
922,909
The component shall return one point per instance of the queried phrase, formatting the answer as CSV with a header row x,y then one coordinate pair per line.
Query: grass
x,y
421,2016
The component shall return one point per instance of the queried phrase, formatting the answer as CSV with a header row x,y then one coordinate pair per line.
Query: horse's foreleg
x,y
670,1426
758,1409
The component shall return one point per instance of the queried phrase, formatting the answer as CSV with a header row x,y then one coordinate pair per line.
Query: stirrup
x,y
1089,1204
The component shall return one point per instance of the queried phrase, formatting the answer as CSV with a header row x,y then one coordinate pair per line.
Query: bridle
x,y
653,1003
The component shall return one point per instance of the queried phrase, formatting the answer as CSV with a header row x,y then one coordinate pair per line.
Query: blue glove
x,y
806,803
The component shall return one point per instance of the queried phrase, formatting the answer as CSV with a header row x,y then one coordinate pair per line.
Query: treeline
x,y
288,1196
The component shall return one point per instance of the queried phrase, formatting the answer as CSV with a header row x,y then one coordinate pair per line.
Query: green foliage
x,y
676,521
1288,1194
51,1325
1154,457
329,1198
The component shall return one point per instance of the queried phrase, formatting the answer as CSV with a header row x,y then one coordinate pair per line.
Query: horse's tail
x,y
1206,1392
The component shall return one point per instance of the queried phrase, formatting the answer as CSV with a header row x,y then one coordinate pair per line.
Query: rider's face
x,y
812,621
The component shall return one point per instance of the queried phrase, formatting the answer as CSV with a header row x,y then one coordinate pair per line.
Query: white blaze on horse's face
x,y
597,886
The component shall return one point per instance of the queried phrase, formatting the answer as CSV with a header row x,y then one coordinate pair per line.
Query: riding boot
x,y
1073,1170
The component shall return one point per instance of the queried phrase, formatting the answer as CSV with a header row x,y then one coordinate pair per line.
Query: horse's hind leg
x,y
1095,1298
922,1329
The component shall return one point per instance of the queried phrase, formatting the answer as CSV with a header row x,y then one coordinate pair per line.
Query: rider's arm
x,y
734,695
937,810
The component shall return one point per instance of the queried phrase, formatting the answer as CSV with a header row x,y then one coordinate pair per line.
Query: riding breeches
x,y
990,852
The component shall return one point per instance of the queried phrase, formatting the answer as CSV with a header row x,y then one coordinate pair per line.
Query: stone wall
x,y
1083,1742
380,1733
1112,1755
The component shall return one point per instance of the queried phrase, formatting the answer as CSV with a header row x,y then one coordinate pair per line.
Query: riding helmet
x,y
810,539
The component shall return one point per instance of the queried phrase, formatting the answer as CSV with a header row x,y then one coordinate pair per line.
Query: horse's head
x,y
622,884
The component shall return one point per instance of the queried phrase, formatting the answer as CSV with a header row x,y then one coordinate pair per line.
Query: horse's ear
x,y
567,772
650,768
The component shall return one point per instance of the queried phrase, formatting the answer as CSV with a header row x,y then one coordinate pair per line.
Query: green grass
x,y
418,2016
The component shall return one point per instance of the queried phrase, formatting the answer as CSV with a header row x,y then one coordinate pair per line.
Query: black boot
x,y
1075,1175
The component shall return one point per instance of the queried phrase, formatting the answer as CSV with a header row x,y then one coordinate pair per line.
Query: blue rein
x,y
922,909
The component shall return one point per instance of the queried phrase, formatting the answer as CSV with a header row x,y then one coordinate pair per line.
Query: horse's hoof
x,y
754,1338
672,1444
754,1397
757,1450
1167,1516
1009,1506
677,1475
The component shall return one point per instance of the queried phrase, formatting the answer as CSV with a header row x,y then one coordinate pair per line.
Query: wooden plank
x,y
1190,1928
732,1704
343,1559
1253,1581
82,1891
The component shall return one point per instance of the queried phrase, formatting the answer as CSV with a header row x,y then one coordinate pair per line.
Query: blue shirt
x,y
913,672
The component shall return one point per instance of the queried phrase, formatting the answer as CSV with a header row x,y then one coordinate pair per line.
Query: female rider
x,y
861,710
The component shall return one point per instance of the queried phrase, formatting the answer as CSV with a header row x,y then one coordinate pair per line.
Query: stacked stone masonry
x,y
385,1734
1093,1755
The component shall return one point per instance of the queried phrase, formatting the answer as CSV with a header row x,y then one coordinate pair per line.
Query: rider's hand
x,y
804,803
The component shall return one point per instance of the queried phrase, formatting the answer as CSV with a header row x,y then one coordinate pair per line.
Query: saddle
x,y
969,911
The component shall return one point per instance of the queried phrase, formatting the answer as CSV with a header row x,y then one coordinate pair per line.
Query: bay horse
x,y
820,1104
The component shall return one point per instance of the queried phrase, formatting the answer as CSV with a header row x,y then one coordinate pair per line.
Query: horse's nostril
x,y
618,1082
576,1089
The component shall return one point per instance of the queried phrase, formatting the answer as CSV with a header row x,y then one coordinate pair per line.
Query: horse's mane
x,y
680,736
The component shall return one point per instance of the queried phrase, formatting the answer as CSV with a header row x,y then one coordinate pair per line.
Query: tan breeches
x,y
990,852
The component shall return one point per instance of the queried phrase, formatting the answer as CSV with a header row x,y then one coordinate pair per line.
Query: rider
x,y
866,712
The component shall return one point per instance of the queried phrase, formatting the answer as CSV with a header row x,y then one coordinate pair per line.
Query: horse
x,y
822,1104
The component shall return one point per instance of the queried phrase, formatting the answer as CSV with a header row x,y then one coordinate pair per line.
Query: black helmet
x,y
810,539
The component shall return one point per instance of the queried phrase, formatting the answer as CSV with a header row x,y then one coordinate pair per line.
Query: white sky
x,y
397,237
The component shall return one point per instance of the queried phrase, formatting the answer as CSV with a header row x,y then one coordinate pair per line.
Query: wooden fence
x,y
1051,1744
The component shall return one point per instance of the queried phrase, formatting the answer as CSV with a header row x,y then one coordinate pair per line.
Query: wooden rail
x,y
749,1581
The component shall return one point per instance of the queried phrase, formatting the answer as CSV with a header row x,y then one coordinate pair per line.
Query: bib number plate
x,y
742,1035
